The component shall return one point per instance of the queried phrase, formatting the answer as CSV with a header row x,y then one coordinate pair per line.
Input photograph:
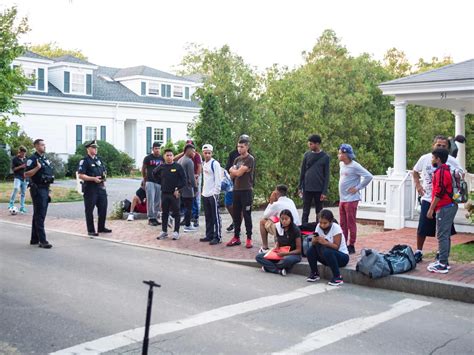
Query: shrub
x,y
21,140
72,164
5,163
59,167
117,162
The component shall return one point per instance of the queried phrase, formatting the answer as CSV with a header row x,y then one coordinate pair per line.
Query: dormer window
x,y
30,73
78,83
165,90
178,91
153,88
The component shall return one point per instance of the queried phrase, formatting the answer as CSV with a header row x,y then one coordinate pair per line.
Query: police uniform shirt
x,y
91,167
46,168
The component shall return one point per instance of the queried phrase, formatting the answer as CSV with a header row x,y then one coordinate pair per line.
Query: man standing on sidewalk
x,y
190,188
172,179
243,172
19,181
152,188
210,193
40,172
314,177
424,170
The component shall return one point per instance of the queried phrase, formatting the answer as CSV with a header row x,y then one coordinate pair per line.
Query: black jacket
x,y
170,177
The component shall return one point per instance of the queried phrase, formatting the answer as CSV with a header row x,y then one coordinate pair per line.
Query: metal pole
x,y
148,314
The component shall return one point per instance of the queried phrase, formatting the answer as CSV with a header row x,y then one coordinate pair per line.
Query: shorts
x,y
140,208
229,198
426,226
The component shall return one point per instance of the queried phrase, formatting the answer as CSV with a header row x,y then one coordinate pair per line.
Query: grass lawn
x,y
461,253
58,194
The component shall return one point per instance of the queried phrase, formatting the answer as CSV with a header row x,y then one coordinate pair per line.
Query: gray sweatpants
x,y
444,221
153,199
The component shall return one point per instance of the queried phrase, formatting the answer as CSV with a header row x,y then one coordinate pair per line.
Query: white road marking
x,y
132,336
337,332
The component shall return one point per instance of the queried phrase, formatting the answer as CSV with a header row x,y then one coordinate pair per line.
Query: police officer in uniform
x,y
40,172
92,172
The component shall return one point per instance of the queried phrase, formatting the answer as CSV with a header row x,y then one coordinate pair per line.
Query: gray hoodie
x,y
188,167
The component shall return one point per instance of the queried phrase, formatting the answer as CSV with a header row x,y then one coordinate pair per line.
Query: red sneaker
x,y
234,241
248,243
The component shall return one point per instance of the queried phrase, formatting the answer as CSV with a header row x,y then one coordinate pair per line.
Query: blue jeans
x,y
326,256
197,201
275,266
19,185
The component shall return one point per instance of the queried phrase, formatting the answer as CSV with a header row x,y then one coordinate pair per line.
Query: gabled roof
x,y
30,54
143,70
114,91
71,59
458,71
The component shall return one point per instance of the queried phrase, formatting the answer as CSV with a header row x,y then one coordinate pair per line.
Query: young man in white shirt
x,y
278,202
212,178
424,170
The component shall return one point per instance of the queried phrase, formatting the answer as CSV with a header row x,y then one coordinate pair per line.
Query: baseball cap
x,y
347,149
207,147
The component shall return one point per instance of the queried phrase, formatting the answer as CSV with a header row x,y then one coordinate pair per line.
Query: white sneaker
x,y
263,250
163,235
189,229
175,235
130,217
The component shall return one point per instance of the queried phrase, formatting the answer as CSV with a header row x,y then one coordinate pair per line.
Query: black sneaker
x,y
313,277
93,234
196,223
205,239
45,245
153,222
418,256
105,230
33,242
215,241
230,228
336,281
351,249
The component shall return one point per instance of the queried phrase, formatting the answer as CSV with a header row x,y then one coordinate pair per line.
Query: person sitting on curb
x,y
139,204
268,224
329,248
290,236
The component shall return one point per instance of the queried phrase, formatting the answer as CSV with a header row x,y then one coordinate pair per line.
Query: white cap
x,y
207,147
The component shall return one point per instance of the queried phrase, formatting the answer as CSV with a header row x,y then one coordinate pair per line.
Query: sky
x,y
122,33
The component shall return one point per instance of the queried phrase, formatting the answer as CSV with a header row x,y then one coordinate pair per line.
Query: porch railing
x,y
375,193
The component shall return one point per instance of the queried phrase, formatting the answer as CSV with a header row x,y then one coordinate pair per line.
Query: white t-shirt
x,y
335,230
283,203
424,167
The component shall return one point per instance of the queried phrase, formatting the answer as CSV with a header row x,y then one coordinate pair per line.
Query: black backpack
x,y
125,205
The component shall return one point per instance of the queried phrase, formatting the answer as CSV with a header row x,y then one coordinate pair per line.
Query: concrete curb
x,y
403,282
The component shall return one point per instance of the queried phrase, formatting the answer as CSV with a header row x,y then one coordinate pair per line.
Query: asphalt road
x,y
83,290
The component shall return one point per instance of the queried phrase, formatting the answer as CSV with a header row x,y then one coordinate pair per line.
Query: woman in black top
x,y
291,236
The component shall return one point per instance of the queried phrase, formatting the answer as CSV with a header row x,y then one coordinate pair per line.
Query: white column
x,y
119,133
400,138
460,128
140,149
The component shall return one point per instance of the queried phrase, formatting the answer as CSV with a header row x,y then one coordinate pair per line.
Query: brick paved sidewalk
x,y
369,236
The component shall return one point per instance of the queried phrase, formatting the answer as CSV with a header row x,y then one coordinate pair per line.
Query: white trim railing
x,y
375,193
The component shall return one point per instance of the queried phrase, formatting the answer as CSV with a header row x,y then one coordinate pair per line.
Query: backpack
x,y
125,205
400,259
460,192
226,184
372,264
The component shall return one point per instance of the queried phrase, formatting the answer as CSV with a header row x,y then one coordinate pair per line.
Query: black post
x,y
148,314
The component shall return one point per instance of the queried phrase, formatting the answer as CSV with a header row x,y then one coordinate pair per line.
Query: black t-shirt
x,y
170,177
289,237
91,167
232,156
151,162
141,194
20,173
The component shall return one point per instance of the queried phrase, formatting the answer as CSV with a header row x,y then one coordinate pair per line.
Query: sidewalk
x,y
457,284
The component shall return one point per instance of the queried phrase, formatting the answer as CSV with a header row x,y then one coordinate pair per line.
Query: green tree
x,y
53,50
12,80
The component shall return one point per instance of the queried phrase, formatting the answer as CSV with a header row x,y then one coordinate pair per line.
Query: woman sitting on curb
x,y
288,234
329,248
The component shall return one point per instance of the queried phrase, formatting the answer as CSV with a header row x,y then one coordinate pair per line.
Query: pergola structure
x,y
451,88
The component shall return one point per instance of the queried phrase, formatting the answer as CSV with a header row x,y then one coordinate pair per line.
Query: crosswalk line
x,y
338,332
132,336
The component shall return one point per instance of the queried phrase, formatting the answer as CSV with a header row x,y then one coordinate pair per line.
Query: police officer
x,y
40,172
93,172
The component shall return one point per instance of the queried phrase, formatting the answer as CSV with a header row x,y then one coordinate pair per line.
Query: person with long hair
x,y
288,234
329,248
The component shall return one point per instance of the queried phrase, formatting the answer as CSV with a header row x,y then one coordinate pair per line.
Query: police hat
x,y
92,144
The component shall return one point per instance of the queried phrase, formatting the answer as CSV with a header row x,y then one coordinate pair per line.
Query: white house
x,y
72,101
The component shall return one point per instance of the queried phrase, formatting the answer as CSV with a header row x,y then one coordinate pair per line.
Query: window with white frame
x,y
177,91
153,88
78,83
158,135
90,133
31,74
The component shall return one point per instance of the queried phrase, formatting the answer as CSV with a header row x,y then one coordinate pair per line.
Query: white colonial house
x,y
72,101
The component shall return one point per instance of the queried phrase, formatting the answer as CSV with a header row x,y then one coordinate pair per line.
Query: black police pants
x,y
169,203
95,195
243,206
40,198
